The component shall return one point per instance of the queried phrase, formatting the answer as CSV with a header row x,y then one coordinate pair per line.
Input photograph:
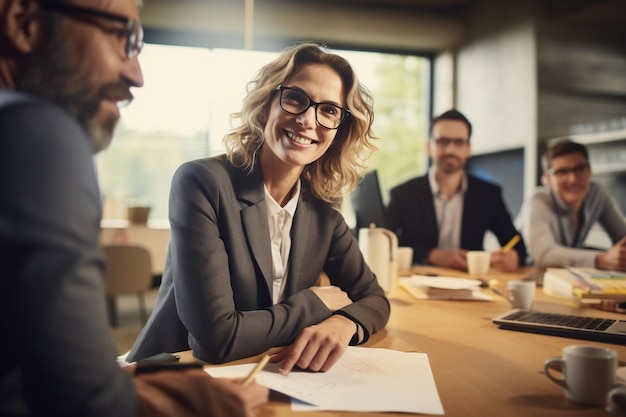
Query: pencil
x,y
511,243
259,366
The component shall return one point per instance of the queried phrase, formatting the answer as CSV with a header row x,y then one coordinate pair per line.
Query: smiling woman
x,y
243,225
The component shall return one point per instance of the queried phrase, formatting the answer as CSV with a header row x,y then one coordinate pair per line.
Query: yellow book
x,y
596,283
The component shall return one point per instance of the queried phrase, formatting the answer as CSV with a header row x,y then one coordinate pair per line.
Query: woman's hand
x,y
318,347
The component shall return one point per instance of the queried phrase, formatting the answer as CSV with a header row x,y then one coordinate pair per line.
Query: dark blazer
x,y
56,356
411,214
216,292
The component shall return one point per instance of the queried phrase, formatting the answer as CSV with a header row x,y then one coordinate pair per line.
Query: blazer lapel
x,y
254,220
302,237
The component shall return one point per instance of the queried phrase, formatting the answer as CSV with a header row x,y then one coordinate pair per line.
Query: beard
x,y
447,166
55,73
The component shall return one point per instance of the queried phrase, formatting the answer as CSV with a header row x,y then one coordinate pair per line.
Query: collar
x,y
560,204
434,186
274,208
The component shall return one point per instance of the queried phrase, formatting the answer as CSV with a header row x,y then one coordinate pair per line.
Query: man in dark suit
x,y
447,212
65,66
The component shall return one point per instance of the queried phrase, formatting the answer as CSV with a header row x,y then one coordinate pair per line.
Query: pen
x,y
511,243
148,367
259,366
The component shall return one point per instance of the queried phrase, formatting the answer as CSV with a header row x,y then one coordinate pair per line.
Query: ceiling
x,y
601,13
439,7
424,25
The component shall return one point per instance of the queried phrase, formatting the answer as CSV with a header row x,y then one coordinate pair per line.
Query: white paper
x,y
364,379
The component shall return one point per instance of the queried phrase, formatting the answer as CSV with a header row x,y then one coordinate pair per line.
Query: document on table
x,y
424,287
364,379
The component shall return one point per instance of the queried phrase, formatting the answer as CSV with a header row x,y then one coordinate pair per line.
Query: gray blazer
x,y
216,298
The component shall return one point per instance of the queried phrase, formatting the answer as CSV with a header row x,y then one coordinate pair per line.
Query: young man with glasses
x,y
65,68
560,215
447,212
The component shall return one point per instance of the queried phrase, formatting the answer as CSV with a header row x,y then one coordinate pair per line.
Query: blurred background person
x,y
560,214
447,212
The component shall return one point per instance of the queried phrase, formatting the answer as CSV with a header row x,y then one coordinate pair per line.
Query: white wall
x,y
497,81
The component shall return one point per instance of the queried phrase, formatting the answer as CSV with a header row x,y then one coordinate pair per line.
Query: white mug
x,y
405,259
478,263
520,293
588,373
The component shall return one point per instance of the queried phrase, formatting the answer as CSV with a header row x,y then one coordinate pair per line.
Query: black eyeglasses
x,y
561,173
295,102
445,142
132,29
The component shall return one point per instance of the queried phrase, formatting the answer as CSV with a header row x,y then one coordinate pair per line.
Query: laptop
x,y
578,327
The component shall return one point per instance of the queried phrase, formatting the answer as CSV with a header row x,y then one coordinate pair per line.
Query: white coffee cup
x,y
405,259
478,263
588,373
520,293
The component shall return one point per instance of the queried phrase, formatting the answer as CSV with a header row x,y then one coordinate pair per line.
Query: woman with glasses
x,y
561,214
253,230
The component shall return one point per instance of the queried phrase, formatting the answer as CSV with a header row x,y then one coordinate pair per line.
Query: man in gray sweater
x,y
561,214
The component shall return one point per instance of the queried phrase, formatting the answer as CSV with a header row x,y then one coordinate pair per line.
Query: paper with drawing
x,y
364,379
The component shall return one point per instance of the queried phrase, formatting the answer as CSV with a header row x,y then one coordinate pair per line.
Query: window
x,y
182,113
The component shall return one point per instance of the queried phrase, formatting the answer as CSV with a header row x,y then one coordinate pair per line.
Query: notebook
x,y
578,327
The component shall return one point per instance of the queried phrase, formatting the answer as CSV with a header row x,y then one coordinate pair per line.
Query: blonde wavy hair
x,y
342,166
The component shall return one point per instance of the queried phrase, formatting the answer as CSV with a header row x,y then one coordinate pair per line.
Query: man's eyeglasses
x,y
562,173
445,142
295,102
132,29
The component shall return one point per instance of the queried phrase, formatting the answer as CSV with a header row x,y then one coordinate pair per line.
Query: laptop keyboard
x,y
563,320
579,327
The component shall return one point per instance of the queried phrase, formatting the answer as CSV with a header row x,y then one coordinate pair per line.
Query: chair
x,y
128,271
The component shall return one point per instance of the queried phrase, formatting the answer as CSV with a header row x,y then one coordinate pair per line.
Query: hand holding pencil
x,y
506,259
258,368
247,396
511,244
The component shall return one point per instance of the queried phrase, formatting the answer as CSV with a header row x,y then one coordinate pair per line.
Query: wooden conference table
x,y
479,369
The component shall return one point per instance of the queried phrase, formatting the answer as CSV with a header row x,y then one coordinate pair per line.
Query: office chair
x,y
128,271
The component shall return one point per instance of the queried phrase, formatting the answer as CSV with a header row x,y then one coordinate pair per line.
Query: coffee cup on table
x,y
586,372
520,293
478,263
405,260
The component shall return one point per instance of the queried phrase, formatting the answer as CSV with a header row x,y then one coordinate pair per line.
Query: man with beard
x,y
65,67
447,212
